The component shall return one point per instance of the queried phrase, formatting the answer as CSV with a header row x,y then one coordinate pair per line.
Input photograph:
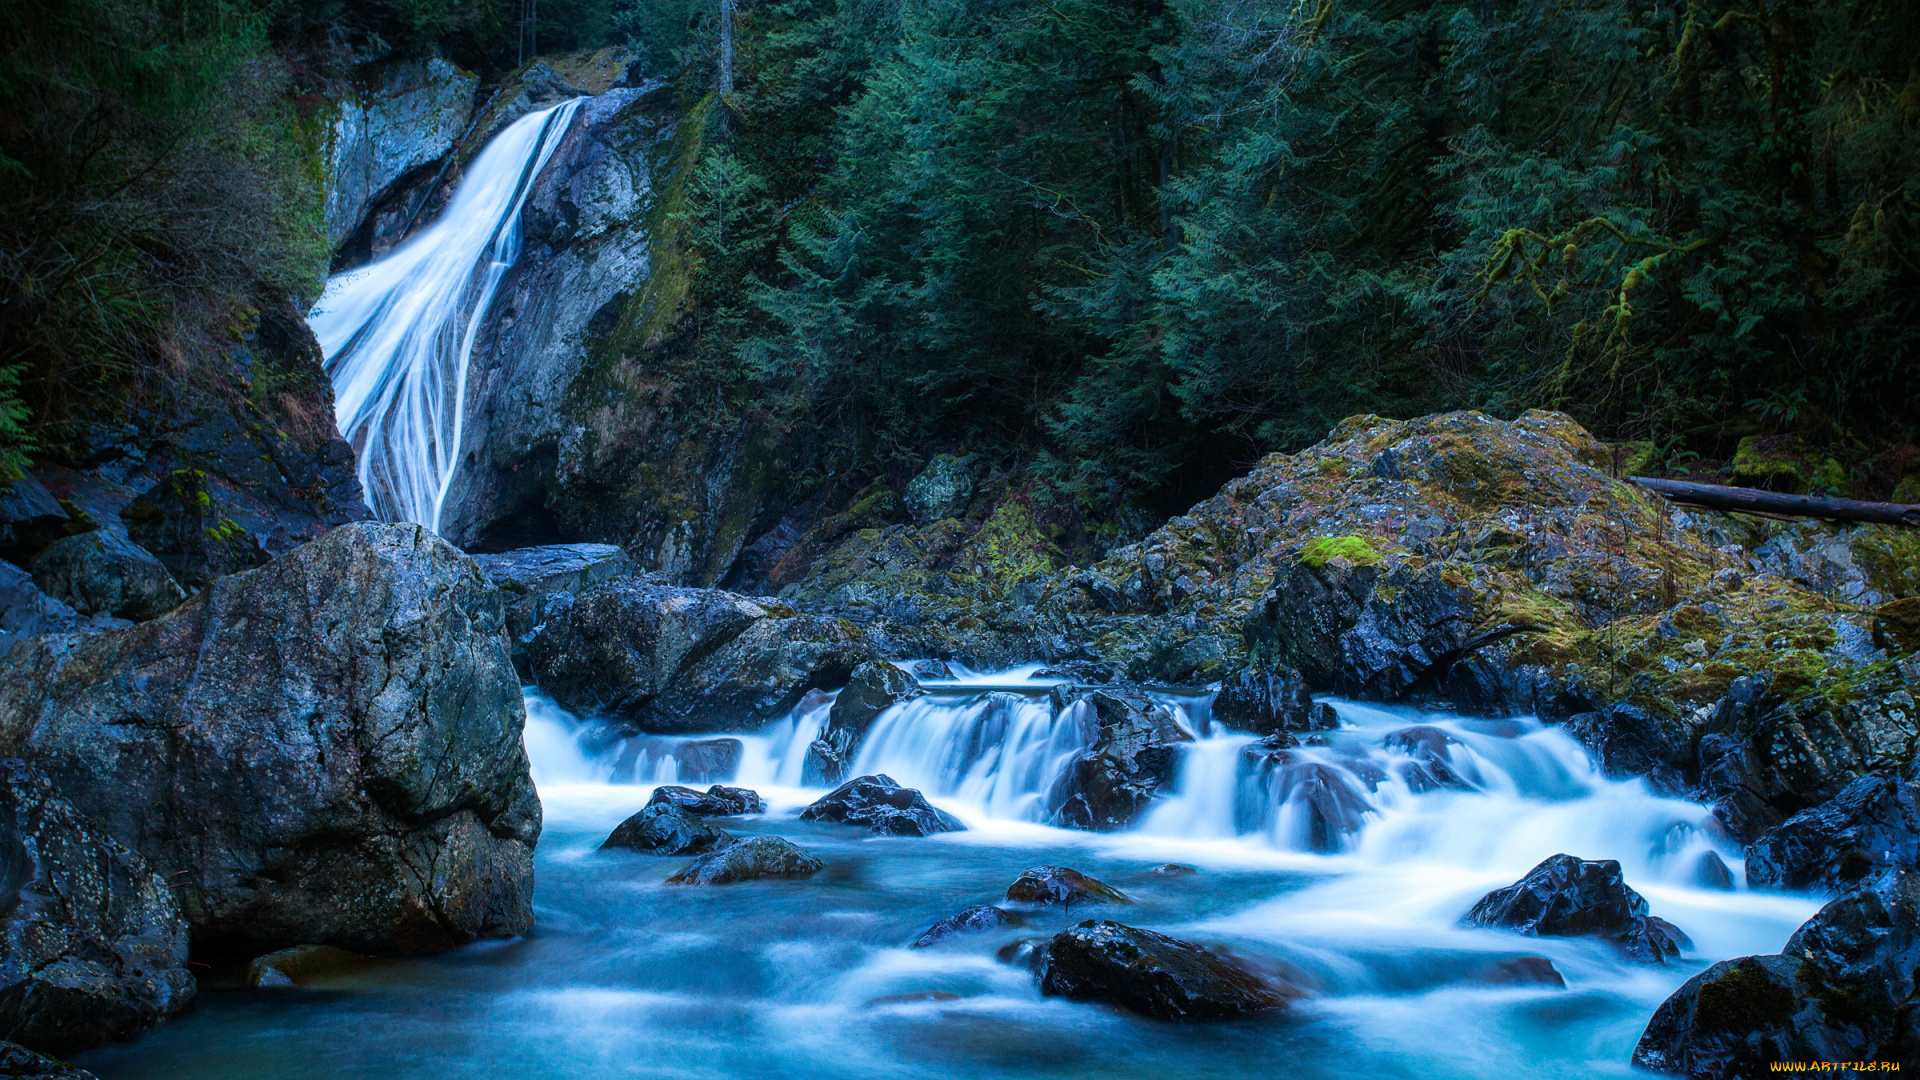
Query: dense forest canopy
x,y
1127,245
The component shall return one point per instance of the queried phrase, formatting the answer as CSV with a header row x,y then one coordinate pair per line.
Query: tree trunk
x,y
1753,500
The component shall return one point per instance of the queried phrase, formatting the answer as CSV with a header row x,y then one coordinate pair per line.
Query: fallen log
x,y
1775,503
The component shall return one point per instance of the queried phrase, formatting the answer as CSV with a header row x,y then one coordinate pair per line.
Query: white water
x,y
398,333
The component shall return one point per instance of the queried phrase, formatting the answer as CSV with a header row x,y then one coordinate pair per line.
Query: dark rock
x,y
186,521
760,675
301,965
1569,897
706,760
18,1061
1368,631
879,802
1710,871
716,801
27,612
102,571
1149,973
92,943
531,576
942,490
323,750
1131,757
930,669
974,920
1062,885
1843,992
30,517
663,828
1329,807
1630,741
1174,869
1870,828
749,860
1431,750
1266,700
618,646
1522,970
873,688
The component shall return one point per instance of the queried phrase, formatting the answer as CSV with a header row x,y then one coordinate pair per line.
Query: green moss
x,y
1743,998
1786,463
1358,550
1896,626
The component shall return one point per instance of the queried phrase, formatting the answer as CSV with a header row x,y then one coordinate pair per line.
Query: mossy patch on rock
x,y
1318,552
1787,463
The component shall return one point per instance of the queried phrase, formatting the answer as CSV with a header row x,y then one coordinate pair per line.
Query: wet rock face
x,y
1870,829
666,829
529,577
1569,897
885,806
104,572
1149,973
300,966
872,689
1266,700
18,1061
1062,885
670,660
1431,751
716,801
1130,758
92,944
977,919
1364,630
1842,990
706,760
750,860
408,117
326,750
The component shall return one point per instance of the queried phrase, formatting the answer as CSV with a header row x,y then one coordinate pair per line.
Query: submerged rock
x,y
323,750
1266,700
663,828
873,688
974,920
750,860
880,802
1130,758
1518,970
1710,871
1870,828
300,966
1569,897
92,946
1431,750
1062,885
716,801
18,1061
104,572
1149,973
706,760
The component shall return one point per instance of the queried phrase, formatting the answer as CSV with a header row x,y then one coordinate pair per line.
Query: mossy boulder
x,y
1787,463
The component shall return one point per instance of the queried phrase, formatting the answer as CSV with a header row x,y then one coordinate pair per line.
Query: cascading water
x,y
398,333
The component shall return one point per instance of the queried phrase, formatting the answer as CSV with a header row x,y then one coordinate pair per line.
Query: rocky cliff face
x,y
322,750
398,118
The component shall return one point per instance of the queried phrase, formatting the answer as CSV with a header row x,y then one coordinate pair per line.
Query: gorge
x,y
1431,747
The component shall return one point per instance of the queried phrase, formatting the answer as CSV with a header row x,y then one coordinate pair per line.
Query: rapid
x,y
626,977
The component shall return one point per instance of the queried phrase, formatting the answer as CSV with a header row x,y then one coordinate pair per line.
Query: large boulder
x,y
665,829
531,576
92,944
1130,759
1569,897
1361,628
102,571
1267,700
671,660
883,805
1842,990
1149,973
326,750
750,860
872,689
1870,828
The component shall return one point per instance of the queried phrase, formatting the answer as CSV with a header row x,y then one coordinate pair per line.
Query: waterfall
x,y
398,333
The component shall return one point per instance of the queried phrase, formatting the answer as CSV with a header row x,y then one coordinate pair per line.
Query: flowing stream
x,y
1346,871
398,333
